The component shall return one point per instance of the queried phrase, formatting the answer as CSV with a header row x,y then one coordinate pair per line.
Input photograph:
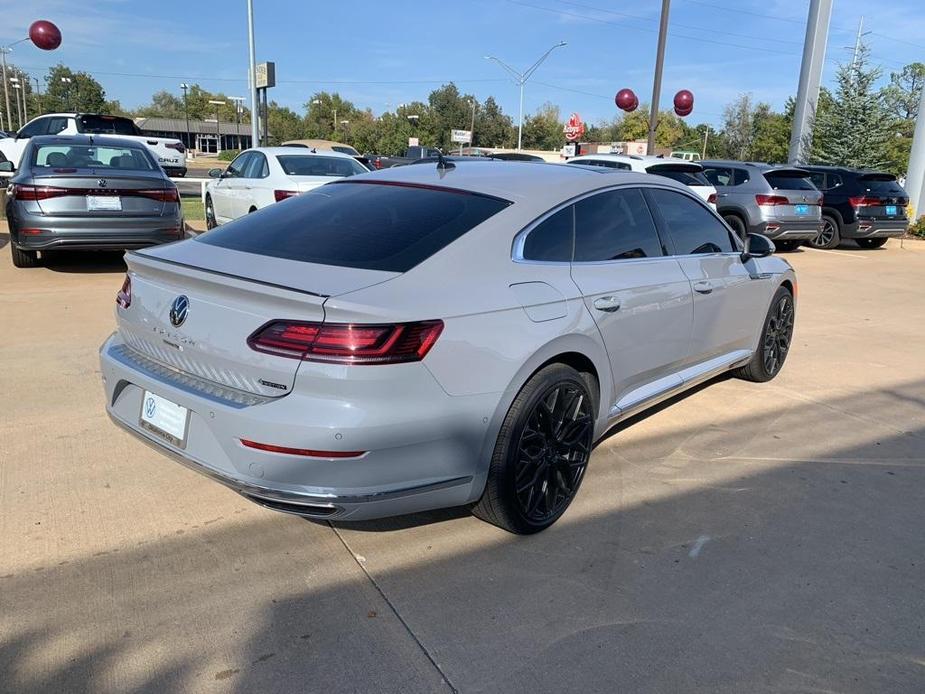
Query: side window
x,y
739,176
692,227
718,177
834,181
36,127
818,180
238,166
605,163
551,239
256,166
56,125
615,225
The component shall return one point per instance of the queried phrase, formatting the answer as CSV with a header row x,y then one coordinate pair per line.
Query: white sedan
x,y
687,172
264,175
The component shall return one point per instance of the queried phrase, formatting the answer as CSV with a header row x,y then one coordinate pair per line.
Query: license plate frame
x,y
891,210
801,210
164,418
104,203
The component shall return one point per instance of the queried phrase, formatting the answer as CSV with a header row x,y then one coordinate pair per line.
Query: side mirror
x,y
6,167
215,173
757,246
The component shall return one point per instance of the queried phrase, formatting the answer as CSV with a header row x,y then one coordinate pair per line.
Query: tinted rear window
x,y
884,185
310,165
788,181
107,124
346,149
689,177
92,157
359,225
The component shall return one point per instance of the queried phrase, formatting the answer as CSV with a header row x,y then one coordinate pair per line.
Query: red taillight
x,y
377,162
345,343
179,146
771,200
864,201
281,195
33,193
309,452
124,297
159,194
712,199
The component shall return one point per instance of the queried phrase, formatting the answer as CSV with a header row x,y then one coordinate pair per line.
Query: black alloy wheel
x,y
778,334
828,236
210,214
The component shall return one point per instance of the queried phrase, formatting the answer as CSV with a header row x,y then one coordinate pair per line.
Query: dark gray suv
x,y
780,202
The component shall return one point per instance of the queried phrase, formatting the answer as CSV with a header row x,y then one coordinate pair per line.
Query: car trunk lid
x,y
96,193
883,198
794,198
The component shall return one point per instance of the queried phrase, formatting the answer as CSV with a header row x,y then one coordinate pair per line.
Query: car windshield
x,y
346,149
359,224
789,180
311,165
58,156
689,176
107,124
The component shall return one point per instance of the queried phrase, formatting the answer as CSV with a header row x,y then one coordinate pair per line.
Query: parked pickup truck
x,y
412,154
170,153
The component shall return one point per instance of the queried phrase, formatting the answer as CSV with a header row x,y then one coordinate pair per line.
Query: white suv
x,y
687,172
170,154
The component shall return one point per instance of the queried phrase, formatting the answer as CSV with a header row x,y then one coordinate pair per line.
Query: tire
x,y
776,338
210,214
24,258
737,224
829,237
871,243
786,246
539,453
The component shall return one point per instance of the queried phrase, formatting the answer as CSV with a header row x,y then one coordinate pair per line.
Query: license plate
x,y
801,209
891,210
104,202
165,418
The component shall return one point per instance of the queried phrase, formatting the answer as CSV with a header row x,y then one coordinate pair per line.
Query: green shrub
x,y
228,154
917,228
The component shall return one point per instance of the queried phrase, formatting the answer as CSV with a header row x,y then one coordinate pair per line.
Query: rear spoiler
x,y
790,171
877,176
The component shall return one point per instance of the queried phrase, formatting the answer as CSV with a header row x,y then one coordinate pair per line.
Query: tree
x,y
325,113
164,104
738,127
284,123
857,131
448,110
604,131
492,127
73,91
901,97
33,107
669,131
770,135
543,129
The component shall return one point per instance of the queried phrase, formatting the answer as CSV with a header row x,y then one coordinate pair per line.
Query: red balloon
x,y
683,111
683,101
45,35
626,100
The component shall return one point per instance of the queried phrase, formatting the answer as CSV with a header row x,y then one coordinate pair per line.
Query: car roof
x,y
511,180
88,139
643,160
298,152
324,144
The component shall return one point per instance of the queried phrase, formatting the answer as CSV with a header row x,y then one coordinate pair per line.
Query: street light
x,y
185,88
44,35
520,79
68,81
16,86
238,109
218,125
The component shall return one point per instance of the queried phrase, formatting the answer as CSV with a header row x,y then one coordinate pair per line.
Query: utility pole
x,y
185,88
857,43
817,32
657,82
6,89
915,176
252,76
472,127
706,134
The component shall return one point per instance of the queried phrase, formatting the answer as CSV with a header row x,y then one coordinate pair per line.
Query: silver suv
x,y
780,202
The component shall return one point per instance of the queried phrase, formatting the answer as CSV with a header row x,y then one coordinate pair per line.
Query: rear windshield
x,y
107,124
92,157
360,225
883,184
786,180
346,149
687,176
310,165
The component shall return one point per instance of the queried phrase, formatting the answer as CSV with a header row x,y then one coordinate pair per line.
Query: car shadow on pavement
x,y
85,262
773,551
4,239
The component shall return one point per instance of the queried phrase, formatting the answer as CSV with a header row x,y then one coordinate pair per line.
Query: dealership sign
x,y
461,136
574,128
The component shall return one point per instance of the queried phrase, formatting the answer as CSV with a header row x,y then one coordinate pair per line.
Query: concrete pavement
x,y
743,538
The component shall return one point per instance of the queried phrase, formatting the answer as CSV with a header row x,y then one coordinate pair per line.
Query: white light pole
x,y
68,81
520,79
252,76
185,88
16,87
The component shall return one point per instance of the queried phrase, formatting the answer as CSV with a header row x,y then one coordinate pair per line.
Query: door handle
x,y
607,303
703,287
722,195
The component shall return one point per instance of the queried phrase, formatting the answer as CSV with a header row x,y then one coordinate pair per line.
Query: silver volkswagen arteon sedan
x,y
434,336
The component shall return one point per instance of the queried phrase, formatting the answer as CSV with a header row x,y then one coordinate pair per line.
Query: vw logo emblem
x,y
101,183
150,406
179,310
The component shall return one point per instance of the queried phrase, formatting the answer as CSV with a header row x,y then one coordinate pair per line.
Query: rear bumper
x,y
179,171
412,463
94,241
874,228
114,233
801,230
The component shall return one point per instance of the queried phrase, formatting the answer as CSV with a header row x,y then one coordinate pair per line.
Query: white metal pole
x,y
520,121
817,32
915,177
252,77
6,90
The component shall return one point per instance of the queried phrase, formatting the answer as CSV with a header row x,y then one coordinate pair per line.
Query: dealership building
x,y
208,137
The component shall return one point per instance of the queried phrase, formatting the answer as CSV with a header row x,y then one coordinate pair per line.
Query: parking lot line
x,y
850,255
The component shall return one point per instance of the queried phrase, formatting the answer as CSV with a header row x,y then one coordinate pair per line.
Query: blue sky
x,y
380,54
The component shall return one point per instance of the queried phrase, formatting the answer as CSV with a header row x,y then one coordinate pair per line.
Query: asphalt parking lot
x,y
745,538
